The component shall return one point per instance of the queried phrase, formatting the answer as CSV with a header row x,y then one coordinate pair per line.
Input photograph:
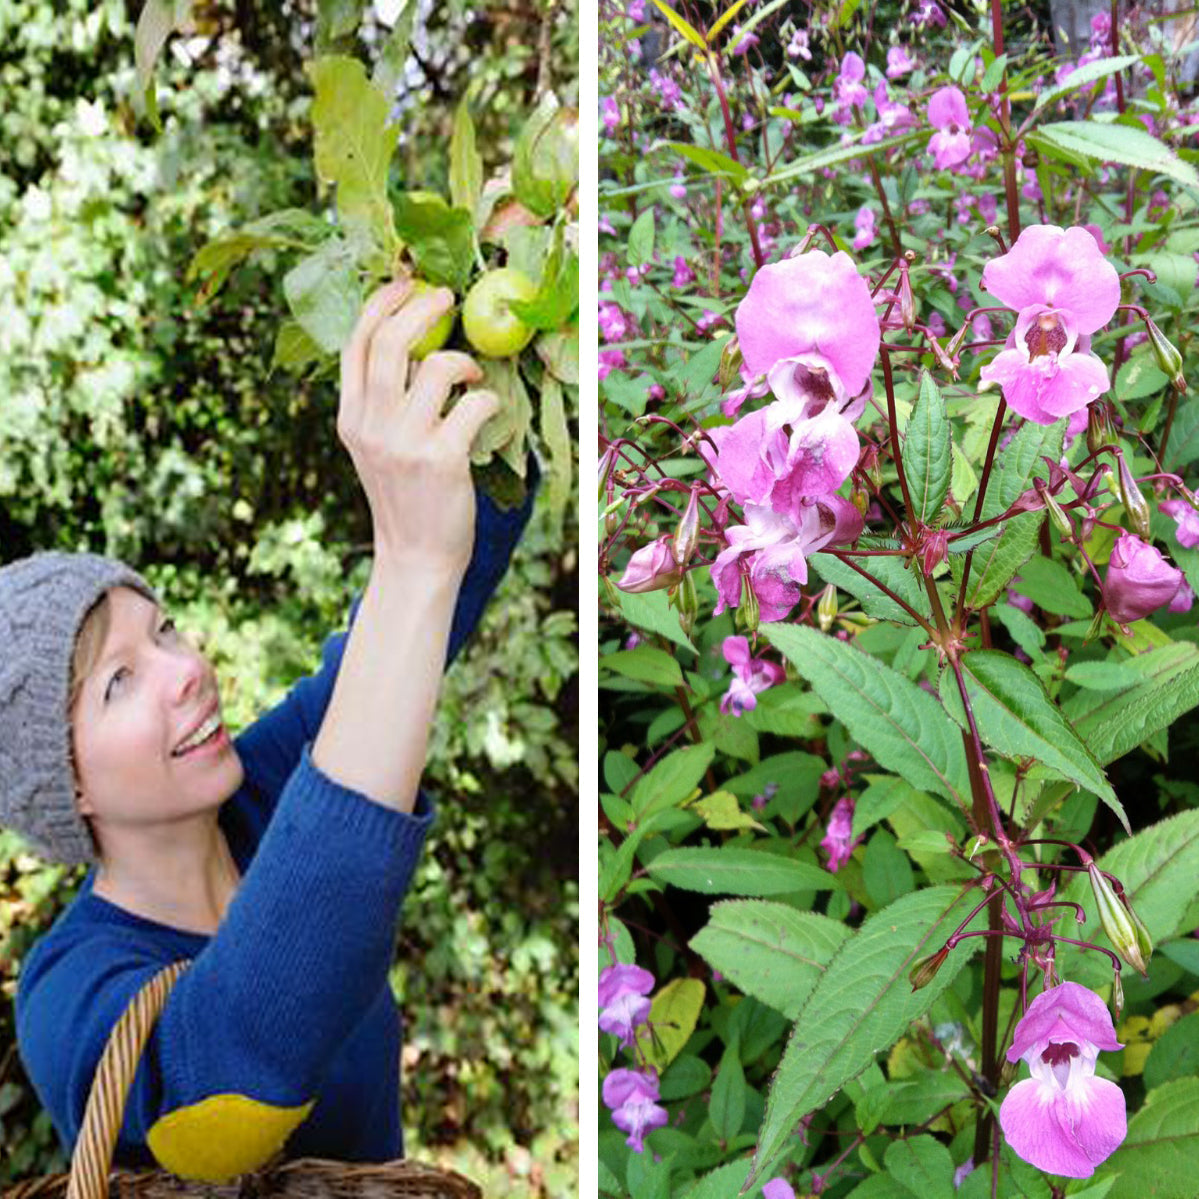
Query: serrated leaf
x,y
890,570
1160,1156
545,159
641,239
995,562
923,1165
727,871
1051,586
1016,717
770,950
325,295
926,452
993,75
466,163
861,1006
651,612
555,436
1021,462
646,664
903,727
1103,676
673,1014
722,811
353,144
726,1105
439,238
721,1183
672,779
710,160
1090,142
1113,723
1085,76
831,156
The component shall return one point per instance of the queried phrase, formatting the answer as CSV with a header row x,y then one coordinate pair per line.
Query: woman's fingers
x,y
389,348
470,414
377,309
433,381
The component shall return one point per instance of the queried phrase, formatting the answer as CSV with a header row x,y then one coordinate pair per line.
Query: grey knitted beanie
x,y
43,602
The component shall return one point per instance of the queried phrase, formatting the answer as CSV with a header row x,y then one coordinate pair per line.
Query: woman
x,y
276,864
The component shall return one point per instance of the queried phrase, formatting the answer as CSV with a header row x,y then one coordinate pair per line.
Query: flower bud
x,y
686,600
907,302
925,970
933,553
1168,357
1057,513
1099,427
606,463
1138,580
686,536
972,847
748,612
651,568
1117,994
826,608
1126,933
730,363
1133,501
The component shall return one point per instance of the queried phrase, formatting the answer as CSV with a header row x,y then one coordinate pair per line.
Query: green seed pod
x,y
1127,934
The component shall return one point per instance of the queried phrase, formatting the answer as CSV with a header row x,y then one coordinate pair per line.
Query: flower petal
x,y
1032,1121
1083,1012
946,107
1100,1117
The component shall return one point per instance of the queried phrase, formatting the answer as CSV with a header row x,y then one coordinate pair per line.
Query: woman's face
x,y
150,747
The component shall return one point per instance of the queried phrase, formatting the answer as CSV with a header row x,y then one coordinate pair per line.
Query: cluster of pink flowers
x,y
631,1095
808,326
751,676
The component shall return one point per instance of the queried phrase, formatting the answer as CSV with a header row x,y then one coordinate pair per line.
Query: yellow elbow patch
x,y
222,1136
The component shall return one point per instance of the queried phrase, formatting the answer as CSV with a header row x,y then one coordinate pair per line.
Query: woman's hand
x,y
413,463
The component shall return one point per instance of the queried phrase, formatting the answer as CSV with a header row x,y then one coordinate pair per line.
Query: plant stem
x,y
1011,195
731,138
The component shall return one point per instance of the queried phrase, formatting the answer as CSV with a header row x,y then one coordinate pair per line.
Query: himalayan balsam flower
x,y
898,63
1063,1119
864,224
1139,580
623,992
651,568
750,676
948,114
849,89
1063,290
632,1095
683,274
778,1188
1185,518
838,837
611,115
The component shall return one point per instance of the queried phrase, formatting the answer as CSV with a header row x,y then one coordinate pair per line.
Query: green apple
x,y
491,327
438,335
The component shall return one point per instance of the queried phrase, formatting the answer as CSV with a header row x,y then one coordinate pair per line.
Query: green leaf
x,y
1022,461
1175,1054
1085,143
336,19
861,1006
294,349
440,238
996,562
831,156
770,950
722,812
389,66
506,432
324,294
903,727
724,1181
673,1016
923,1165
353,145
681,26
926,456
727,1104
1103,676
1051,586
1113,723
157,20
672,780
1084,77
646,664
687,1075
886,871
726,871
890,570
993,75
1016,717
1160,1156
885,793
555,436
710,160
466,163
545,159
641,239
651,612
557,298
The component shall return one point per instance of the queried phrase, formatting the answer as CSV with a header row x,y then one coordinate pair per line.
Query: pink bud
x,y
651,568
1139,580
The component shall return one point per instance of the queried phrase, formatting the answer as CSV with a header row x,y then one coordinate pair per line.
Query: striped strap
x,y
105,1110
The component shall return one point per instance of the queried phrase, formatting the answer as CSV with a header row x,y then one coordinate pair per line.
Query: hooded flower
x,y
1139,580
632,1096
1063,1119
750,676
838,837
651,568
622,996
814,307
947,113
1063,290
1186,520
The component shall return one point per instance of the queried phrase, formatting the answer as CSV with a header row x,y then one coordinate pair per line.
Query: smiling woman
x,y
273,864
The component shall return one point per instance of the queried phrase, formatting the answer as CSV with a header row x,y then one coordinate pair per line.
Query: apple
x,y
491,327
438,335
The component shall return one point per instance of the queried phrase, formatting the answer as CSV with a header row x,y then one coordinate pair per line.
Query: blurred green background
x,y
135,422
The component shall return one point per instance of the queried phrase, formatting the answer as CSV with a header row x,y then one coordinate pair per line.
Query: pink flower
x,y
611,115
632,1095
622,995
849,89
1063,290
778,1188
1185,518
613,323
898,63
864,224
746,43
609,361
683,274
1063,1119
948,114
929,13
798,46
815,307
838,837
651,568
750,676
1139,580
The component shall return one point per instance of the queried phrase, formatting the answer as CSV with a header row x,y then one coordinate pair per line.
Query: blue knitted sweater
x,y
282,1033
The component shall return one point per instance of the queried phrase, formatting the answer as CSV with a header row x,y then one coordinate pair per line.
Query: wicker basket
x,y
91,1175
